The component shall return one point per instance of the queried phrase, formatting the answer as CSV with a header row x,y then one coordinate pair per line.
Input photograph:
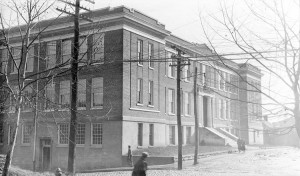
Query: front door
x,y
46,154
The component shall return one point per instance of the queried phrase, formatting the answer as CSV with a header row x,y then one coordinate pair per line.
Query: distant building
x,y
127,92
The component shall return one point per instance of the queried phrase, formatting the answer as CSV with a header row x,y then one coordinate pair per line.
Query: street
x,y
281,161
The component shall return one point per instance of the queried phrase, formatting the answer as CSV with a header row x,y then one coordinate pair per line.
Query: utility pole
x,y
196,118
178,65
74,84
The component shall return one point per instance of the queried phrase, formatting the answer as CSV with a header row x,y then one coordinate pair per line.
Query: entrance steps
x,y
227,140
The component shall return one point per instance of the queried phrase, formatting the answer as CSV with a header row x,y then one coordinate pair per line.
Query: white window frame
x,y
81,93
99,92
140,134
69,44
139,91
151,55
24,126
67,94
101,135
30,60
4,61
77,135
51,54
98,48
151,93
59,133
140,52
170,65
50,101
171,101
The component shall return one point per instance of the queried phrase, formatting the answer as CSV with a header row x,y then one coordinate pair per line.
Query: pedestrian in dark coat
x,y
129,156
239,144
140,167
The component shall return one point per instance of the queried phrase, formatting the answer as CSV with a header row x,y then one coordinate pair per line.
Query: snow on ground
x,y
280,161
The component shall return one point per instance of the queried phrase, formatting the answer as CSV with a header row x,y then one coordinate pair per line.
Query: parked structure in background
x,y
127,93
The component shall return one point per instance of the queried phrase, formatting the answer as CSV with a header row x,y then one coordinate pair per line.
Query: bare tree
x,y
27,15
268,37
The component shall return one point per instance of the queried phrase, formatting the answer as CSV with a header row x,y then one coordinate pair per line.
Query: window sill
x,y
151,106
141,147
95,108
81,108
96,146
62,145
63,109
49,110
172,114
140,104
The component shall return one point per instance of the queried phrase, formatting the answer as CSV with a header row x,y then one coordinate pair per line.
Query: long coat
x,y
140,167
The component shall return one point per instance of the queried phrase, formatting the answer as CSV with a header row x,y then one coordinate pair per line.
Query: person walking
x,y
129,156
141,166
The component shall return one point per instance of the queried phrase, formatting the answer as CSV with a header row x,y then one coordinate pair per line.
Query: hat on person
x,y
145,154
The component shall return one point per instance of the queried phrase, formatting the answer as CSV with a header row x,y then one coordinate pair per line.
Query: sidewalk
x,y
185,159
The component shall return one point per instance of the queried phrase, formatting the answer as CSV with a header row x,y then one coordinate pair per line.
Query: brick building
x,y
127,91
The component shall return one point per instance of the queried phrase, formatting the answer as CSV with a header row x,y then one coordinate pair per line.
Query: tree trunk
x,y
12,145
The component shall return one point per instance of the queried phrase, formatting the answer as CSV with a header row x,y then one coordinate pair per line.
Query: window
x,y
222,80
81,93
172,135
150,55
64,94
188,74
51,55
82,58
151,134
66,53
3,61
49,96
151,93
188,105
12,99
63,133
139,91
171,65
227,84
30,60
1,132
80,133
228,109
221,109
140,134
16,52
97,93
202,73
171,95
97,134
98,48
140,52
27,98
26,133
188,135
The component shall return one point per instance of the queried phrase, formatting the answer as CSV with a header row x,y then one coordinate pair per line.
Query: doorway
x,y
45,149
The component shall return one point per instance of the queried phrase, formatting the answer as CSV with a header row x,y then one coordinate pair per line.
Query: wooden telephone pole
x,y
178,65
74,83
196,118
